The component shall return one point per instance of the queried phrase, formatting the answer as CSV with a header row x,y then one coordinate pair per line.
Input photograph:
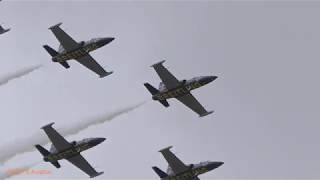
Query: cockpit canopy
x,y
93,40
194,79
86,140
201,164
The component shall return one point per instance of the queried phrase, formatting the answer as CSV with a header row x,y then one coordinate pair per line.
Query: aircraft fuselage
x,y
74,150
194,171
184,88
83,49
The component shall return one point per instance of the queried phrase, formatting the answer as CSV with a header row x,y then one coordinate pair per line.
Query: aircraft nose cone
x,y
208,79
214,165
97,141
105,41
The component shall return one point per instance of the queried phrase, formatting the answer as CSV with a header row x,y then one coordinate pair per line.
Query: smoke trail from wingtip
x,y
24,145
17,74
80,126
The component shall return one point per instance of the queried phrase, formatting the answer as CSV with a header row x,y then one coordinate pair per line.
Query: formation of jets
x,y
170,87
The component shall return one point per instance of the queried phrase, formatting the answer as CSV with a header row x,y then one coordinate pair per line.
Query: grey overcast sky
x,y
266,99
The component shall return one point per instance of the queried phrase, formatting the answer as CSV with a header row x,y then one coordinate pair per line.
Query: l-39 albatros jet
x,y
2,30
62,149
171,87
177,170
70,49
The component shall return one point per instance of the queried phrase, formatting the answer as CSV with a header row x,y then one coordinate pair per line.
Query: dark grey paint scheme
x,y
70,49
2,30
62,149
171,87
177,170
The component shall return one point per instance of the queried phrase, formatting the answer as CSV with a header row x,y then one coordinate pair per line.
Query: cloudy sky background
x,y
266,99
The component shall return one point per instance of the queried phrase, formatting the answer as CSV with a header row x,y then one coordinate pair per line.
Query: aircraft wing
x,y
190,101
57,140
167,78
65,40
175,163
80,162
91,64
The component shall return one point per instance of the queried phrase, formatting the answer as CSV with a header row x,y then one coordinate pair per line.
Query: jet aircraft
x,y
171,87
70,49
2,30
177,170
62,149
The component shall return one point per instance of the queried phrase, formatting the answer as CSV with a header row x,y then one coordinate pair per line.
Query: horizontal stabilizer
x,y
50,50
151,89
95,175
164,103
205,114
56,164
42,150
57,25
160,173
161,62
65,64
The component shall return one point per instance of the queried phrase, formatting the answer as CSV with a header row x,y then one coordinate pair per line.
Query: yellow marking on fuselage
x,y
77,53
68,153
189,174
178,91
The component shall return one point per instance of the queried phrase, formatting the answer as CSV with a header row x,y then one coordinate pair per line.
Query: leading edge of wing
x,y
169,80
174,162
58,141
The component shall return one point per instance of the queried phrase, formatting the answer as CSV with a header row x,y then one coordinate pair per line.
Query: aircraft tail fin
x,y
45,153
160,173
42,150
54,53
154,91
56,164
50,50
151,89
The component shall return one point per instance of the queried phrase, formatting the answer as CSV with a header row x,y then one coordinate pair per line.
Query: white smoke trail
x,y
22,72
24,145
